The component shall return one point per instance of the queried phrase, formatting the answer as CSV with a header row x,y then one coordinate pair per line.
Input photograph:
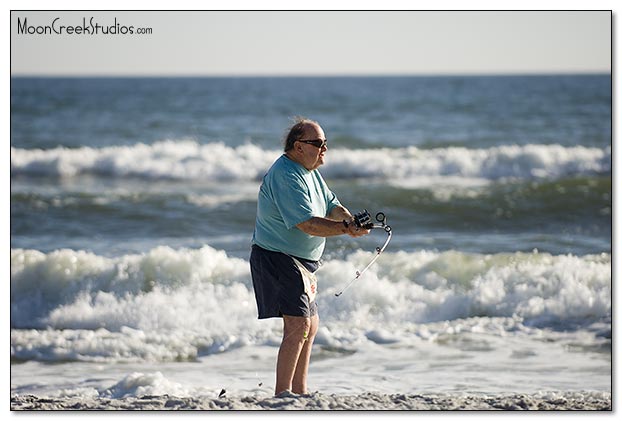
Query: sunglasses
x,y
318,143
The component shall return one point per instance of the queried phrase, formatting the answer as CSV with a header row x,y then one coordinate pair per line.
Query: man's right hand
x,y
353,231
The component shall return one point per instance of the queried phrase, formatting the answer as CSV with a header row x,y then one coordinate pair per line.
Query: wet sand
x,y
554,401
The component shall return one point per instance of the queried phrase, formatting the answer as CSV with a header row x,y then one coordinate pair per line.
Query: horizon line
x,y
310,75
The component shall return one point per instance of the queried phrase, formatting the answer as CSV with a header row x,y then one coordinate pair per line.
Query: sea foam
x,y
171,304
187,159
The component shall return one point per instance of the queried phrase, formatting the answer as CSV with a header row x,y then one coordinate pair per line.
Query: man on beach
x,y
296,211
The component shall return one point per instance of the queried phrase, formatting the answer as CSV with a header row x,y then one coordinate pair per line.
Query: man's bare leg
x,y
299,382
296,330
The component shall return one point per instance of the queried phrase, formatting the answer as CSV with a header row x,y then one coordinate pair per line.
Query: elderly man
x,y
296,211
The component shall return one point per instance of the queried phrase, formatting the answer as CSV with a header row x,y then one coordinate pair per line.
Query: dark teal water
x,y
482,164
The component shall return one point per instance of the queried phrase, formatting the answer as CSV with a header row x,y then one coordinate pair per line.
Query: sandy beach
x,y
554,401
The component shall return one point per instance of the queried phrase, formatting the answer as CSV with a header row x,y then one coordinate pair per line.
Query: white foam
x,y
140,384
184,159
172,305
43,282
187,159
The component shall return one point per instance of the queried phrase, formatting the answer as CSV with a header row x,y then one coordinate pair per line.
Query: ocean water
x,y
133,205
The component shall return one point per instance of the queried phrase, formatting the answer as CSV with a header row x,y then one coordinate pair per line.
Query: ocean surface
x,y
133,206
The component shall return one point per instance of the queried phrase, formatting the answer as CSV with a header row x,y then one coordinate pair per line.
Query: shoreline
x,y
554,401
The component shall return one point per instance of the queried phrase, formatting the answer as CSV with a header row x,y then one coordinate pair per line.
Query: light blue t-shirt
x,y
291,194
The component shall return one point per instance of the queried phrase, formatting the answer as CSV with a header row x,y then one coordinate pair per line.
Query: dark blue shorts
x,y
278,285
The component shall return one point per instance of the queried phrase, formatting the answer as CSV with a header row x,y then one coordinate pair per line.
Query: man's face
x,y
312,155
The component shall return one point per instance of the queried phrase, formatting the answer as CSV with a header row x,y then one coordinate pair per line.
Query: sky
x,y
261,43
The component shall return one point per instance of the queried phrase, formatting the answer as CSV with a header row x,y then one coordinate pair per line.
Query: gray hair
x,y
297,131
